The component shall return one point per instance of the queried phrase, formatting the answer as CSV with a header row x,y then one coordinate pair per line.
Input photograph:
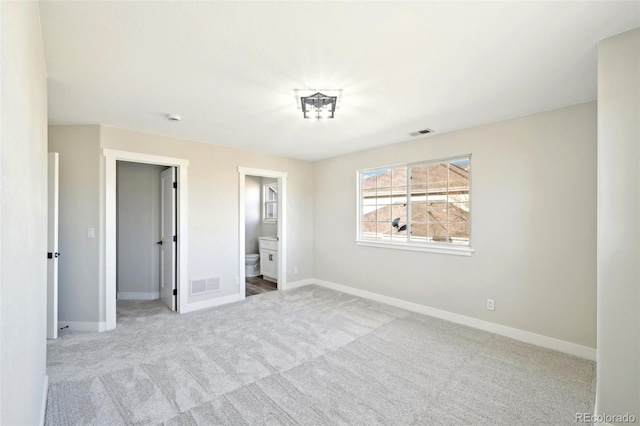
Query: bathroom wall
x,y
253,222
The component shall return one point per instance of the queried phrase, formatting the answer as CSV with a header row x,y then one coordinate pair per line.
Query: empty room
x,y
319,213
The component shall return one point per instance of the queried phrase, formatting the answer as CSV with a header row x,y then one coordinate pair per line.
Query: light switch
x,y
91,232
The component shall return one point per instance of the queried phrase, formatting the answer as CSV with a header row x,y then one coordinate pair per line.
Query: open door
x,y
52,248
168,238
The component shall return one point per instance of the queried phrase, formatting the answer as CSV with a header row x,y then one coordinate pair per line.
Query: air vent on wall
x,y
204,286
421,132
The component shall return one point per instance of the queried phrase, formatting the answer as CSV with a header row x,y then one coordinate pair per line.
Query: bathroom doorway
x,y
262,231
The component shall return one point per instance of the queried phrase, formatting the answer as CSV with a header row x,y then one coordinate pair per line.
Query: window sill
x,y
454,250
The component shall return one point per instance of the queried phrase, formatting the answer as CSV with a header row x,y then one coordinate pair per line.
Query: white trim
x,y
111,156
282,224
210,303
83,326
502,330
454,250
301,283
43,404
131,295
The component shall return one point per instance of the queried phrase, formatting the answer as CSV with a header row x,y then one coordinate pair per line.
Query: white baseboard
x,y
514,333
296,284
128,295
210,303
83,326
43,405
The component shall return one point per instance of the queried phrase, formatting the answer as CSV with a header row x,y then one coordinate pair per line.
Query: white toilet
x,y
252,265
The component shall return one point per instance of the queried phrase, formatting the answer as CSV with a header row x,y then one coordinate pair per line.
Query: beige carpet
x,y
309,356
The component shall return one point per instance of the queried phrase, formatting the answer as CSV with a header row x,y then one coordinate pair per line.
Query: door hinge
x,y
175,238
175,184
175,292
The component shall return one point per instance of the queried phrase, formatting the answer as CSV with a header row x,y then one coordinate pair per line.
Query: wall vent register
x,y
204,286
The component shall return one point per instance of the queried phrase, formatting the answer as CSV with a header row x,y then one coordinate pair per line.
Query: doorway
x,y
108,300
262,231
145,227
261,234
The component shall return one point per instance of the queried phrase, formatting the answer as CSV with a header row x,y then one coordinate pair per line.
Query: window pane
x,y
383,230
418,176
369,197
459,231
369,180
437,175
369,230
369,213
437,232
384,213
383,178
418,195
399,211
459,197
418,212
437,212
462,165
272,211
272,195
418,229
399,195
399,176
458,212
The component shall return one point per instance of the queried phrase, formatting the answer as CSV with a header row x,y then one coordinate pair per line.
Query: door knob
x,y
159,242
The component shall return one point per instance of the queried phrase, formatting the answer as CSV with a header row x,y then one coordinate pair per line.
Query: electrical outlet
x,y
490,305
91,232
295,269
237,280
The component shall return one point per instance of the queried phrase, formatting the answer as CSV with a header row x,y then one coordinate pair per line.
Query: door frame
x,y
282,224
110,214
53,243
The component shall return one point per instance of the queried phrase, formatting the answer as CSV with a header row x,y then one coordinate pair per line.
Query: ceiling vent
x,y
421,132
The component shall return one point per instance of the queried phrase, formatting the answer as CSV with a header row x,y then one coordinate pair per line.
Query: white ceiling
x,y
230,68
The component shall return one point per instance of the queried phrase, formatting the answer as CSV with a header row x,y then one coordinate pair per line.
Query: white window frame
x,y
429,247
265,202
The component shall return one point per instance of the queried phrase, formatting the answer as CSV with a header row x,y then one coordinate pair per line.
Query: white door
x,y
52,248
167,234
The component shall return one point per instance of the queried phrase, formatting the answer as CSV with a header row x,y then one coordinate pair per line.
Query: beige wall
x,y
213,181
533,226
618,390
23,215
79,149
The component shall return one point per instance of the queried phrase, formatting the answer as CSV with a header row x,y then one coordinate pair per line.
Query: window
x,y
420,206
270,202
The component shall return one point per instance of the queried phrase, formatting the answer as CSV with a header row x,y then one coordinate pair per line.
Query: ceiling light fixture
x,y
318,106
